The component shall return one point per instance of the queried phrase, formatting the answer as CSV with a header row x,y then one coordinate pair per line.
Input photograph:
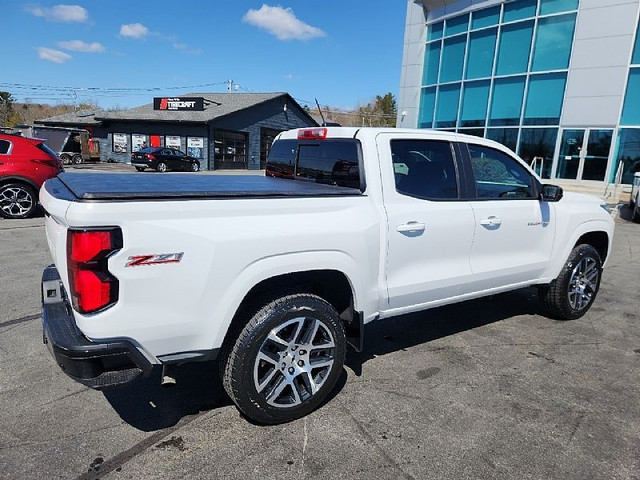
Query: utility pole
x,y
230,85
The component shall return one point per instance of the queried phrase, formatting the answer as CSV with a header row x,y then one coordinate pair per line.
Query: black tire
x,y
77,159
195,167
571,294
140,169
66,159
302,341
161,167
635,213
17,200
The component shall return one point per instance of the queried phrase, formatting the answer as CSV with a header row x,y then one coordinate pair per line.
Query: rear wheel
x,y
66,159
571,294
161,167
195,167
17,200
140,169
286,360
76,159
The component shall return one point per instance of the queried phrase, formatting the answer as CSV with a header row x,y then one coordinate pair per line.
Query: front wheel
x,y
635,213
571,294
286,360
77,159
66,159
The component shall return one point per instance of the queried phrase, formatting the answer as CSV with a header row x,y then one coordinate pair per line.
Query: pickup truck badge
x,y
157,259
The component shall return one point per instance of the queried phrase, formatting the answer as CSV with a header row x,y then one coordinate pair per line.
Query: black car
x,y
162,159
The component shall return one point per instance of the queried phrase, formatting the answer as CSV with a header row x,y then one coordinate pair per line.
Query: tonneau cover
x,y
132,186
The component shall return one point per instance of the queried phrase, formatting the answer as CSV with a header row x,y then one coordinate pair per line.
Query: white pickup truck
x,y
274,275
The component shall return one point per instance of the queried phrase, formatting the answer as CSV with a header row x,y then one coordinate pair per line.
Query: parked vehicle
x,y
25,164
162,159
634,199
274,276
72,145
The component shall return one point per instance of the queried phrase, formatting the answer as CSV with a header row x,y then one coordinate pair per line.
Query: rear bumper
x,y
95,364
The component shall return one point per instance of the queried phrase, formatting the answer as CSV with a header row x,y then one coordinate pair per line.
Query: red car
x,y
25,163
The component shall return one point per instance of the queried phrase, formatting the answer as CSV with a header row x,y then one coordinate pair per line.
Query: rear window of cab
x,y
331,161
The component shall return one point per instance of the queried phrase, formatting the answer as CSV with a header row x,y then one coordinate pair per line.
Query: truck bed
x,y
132,186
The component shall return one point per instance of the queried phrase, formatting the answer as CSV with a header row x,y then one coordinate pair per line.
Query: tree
x,y
381,112
8,117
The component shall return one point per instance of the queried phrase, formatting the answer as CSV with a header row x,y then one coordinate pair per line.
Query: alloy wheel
x,y
15,201
583,283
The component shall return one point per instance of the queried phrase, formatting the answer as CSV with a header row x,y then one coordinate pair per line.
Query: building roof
x,y
216,105
82,117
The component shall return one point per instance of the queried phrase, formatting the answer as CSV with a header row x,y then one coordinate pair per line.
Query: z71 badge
x,y
158,259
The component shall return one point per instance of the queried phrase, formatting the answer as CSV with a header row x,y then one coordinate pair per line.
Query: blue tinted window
x,y
485,18
631,109
431,63
482,47
555,6
515,43
538,143
627,153
435,31
506,101
553,43
447,109
474,104
457,25
506,136
427,104
519,9
636,49
452,59
544,99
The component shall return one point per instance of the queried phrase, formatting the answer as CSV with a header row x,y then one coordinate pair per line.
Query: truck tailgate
x,y
132,186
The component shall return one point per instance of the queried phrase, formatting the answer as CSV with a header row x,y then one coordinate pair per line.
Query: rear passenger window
x,y
333,162
282,159
4,147
498,175
424,169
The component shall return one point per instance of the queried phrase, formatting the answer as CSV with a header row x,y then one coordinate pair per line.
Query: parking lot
x,y
484,389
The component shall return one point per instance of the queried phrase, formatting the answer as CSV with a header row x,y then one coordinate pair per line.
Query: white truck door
x,y
514,230
429,230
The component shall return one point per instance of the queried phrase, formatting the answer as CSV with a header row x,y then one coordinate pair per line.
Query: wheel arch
x,y
20,179
598,240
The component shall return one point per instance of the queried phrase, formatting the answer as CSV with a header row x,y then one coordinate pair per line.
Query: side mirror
x,y
551,193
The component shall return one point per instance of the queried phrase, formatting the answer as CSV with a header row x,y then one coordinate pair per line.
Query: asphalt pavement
x,y
483,389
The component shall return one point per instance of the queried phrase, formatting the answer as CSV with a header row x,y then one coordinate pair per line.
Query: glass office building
x,y
557,81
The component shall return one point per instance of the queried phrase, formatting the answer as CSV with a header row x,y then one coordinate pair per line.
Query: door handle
x,y
411,227
491,221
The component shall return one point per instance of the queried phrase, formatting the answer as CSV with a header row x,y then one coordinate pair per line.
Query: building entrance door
x,y
584,154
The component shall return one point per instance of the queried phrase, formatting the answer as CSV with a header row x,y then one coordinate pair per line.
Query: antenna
x,y
320,110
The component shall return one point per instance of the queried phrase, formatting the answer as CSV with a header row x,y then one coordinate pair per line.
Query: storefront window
x,y
556,6
519,10
506,136
515,43
230,150
457,25
536,148
119,143
447,110
474,104
435,31
482,46
553,43
427,104
431,63
506,101
631,108
195,147
636,48
544,99
485,18
627,154
453,59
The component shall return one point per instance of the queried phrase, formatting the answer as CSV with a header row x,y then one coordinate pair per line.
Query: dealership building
x,y
557,81
224,130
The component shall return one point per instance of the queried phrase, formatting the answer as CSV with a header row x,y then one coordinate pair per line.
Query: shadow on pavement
x,y
147,406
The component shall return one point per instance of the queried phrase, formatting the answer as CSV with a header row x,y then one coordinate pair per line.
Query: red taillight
x,y
312,134
92,287
149,156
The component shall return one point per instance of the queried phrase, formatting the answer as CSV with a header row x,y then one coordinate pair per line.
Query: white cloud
x,y
184,48
282,23
80,46
134,30
51,55
61,13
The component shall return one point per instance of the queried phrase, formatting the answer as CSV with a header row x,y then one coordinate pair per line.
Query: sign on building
x,y
179,104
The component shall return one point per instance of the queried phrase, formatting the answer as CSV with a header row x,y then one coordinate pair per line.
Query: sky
x,y
122,54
